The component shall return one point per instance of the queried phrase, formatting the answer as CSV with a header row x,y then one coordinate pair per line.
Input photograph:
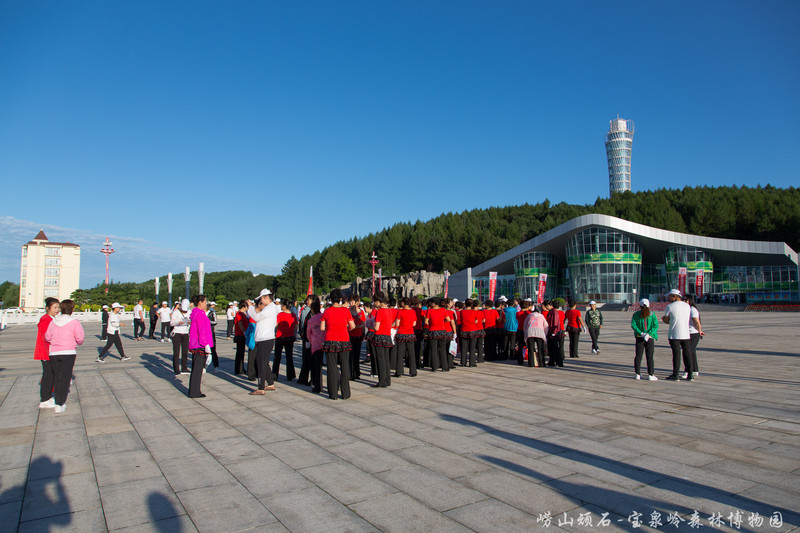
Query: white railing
x,y
9,318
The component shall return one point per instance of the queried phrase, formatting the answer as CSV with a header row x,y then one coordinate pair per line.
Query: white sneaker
x,y
638,376
162,340
49,404
685,375
99,360
60,408
125,358
185,373
204,371
652,378
695,374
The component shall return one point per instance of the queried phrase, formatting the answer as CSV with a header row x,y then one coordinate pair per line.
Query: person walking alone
x,y
574,328
594,321
112,332
645,329
138,321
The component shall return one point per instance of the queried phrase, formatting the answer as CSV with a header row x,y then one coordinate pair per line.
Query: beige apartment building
x,y
48,269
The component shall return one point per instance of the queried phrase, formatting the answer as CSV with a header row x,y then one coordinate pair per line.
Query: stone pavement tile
x,y
172,446
369,457
346,482
436,490
116,442
300,453
347,422
529,466
313,510
531,497
700,433
776,498
15,456
442,461
757,457
785,450
608,450
588,517
266,432
677,470
515,442
73,458
764,476
494,516
49,422
194,471
159,428
211,430
400,423
606,470
89,520
666,451
18,435
449,441
125,466
107,425
267,476
192,414
228,507
176,524
767,434
385,438
325,435
400,512
289,418
664,437
12,484
139,502
142,407
233,449
60,495
526,417
10,513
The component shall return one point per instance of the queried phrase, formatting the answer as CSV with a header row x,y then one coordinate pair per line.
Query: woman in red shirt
x,y
468,333
405,338
240,324
574,327
337,322
439,334
382,340
41,352
284,341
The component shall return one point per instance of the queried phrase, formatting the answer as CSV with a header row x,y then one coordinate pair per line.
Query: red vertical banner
x,y
698,283
682,280
446,282
310,280
542,288
492,284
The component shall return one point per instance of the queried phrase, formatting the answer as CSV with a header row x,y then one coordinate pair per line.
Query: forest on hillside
x,y
453,241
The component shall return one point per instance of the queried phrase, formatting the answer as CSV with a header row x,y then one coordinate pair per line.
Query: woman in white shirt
x,y
695,333
180,337
113,335
165,315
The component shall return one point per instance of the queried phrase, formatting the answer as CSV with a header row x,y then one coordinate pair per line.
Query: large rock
x,y
412,284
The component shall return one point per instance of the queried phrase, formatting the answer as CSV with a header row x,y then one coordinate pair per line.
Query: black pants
x,y
152,333
263,349
594,333
393,359
138,328
373,359
214,356
287,347
381,354
490,345
238,360
48,378
113,339
316,370
468,351
198,364
647,349
252,364
418,348
406,353
509,337
229,328
680,347
180,352
305,368
337,361
165,330
520,340
480,344
554,346
62,372
694,340
104,333
574,339
426,353
537,349
450,358
439,354
355,357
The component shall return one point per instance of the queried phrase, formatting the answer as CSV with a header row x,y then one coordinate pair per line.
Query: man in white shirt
x,y
265,315
677,315
164,314
138,321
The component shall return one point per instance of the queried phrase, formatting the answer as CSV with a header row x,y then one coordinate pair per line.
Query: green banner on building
x,y
617,257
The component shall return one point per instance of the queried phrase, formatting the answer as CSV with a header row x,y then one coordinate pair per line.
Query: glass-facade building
x,y
527,269
619,147
604,265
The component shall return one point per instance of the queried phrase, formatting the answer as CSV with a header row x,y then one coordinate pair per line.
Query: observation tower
x,y
619,144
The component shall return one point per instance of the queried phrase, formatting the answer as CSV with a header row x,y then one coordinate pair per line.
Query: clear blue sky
x,y
247,132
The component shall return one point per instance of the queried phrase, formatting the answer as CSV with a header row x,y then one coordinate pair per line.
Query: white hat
x,y
676,292
164,303
184,305
105,307
592,303
503,299
231,303
265,292
277,300
528,300
644,302
455,299
115,305
213,303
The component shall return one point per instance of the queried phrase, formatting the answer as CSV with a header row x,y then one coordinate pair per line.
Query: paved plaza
x,y
494,448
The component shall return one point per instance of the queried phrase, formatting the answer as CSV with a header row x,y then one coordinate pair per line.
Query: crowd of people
x,y
395,334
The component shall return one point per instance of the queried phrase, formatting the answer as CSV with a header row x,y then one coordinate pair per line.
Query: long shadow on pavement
x,y
620,502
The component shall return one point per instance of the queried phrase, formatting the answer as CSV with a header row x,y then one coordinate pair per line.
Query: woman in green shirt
x,y
645,327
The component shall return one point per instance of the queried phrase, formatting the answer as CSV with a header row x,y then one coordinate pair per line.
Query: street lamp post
x,y
157,284
107,250
201,274
169,289
373,261
187,274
